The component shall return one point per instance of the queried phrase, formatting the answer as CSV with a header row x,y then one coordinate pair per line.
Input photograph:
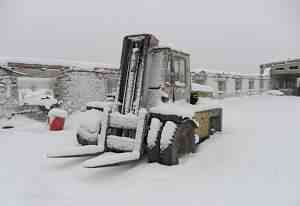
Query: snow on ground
x,y
254,161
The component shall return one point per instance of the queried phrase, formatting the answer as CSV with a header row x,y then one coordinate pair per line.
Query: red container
x,y
56,119
56,123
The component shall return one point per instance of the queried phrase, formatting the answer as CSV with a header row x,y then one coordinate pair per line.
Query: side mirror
x,y
193,98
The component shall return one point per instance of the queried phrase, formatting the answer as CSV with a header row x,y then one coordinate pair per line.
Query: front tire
x,y
82,141
168,145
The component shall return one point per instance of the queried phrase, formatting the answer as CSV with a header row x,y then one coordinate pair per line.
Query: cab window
x,y
179,70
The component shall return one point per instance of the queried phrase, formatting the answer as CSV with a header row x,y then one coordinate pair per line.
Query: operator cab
x,y
167,76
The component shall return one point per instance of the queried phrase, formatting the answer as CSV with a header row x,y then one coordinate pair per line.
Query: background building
x,y
22,81
285,75
227,84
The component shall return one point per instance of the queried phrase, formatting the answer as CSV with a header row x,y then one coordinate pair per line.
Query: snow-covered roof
x,y
277,63
60,62
56,112
267,72
12,70
32,72
210,71
36,67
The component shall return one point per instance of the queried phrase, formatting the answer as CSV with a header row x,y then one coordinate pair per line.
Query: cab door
x,y
180,77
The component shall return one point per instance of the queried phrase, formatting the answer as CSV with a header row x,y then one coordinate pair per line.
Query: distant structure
x,y
74,83
285,75
227,84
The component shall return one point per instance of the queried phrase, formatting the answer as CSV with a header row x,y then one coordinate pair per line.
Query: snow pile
x,y
247,159
55,112
103,128
128,121
275,92
40,97
120,143
267,72
90,120
202,88
153,132
89,124
197,138
167,135
110,158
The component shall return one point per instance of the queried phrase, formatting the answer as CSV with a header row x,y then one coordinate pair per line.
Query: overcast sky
x,y
231,35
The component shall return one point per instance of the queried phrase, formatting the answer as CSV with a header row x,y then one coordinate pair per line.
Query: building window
x,y
111,86
279,68
179,69
293,67
221,86
251,84
238,84
261,84
199,78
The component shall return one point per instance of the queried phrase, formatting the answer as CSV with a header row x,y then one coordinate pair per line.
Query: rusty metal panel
x,y
203,119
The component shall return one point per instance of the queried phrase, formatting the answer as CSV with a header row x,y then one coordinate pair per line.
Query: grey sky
x,y
231,35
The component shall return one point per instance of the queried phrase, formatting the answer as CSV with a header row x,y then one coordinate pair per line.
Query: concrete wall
x,y
230,87
8,93
76,88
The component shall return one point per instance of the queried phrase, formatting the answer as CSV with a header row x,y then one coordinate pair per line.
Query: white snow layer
x,y
183,108
120,143
61,62
128,121
90,120
211,71
153,132
91,136
254,161
110,158
275,92
100,105
197,139
55,112
104,125
78,150
167,135
202,88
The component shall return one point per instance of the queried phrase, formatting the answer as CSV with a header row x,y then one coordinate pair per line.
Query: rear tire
x,y
185,136
183,142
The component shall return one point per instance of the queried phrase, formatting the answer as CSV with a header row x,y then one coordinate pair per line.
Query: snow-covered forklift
x,y
152,112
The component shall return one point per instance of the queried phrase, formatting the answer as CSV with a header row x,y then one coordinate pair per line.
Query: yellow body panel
x,y
203,120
